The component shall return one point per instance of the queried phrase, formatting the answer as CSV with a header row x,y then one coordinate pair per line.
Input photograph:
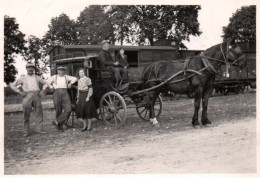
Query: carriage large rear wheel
x,y
113,109
142,108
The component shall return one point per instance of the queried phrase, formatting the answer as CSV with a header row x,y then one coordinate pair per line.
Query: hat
x,y
30,65
61,68
105,41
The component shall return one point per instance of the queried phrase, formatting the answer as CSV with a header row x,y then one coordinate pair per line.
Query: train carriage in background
x,y
237,80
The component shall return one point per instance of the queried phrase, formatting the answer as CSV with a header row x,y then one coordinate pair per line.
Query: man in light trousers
x,y
32,94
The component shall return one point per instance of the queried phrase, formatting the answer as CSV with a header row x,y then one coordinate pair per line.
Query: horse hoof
x,y
196,126
206,123
156,125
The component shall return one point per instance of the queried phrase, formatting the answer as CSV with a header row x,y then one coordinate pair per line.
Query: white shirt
x,y
57,81
29,83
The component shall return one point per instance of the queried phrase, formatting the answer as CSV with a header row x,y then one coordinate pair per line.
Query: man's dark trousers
x,y
62,104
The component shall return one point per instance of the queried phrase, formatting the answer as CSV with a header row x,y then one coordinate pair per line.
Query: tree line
x,y
136,25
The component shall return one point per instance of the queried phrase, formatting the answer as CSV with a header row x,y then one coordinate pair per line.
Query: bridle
x,y
211,69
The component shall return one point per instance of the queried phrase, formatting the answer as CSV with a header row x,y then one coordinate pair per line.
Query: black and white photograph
x,y
100,88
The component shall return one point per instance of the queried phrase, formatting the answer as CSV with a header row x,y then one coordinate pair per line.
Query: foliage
x,y
36,54
120,17
145,25
62,31
14,43
94,25
242,25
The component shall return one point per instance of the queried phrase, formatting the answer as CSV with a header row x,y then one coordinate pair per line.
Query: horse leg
x,y
152,100
205,99
197,98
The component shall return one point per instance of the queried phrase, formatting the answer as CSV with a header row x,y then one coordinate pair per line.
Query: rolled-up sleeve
x,y
43,82
72,79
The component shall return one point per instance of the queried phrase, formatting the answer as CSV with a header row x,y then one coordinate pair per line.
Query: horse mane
x,y
212,50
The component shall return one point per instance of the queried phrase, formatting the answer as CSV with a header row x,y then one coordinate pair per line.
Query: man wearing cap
x,y
106,60
61,98
31,93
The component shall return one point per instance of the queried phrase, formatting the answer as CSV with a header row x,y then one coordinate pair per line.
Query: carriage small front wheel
x,y
113,109
142,108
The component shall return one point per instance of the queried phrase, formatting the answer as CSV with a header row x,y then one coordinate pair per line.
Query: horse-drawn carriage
x,y
111,102
196,75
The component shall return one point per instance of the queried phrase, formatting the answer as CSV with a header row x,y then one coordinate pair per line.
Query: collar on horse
x,y
211,69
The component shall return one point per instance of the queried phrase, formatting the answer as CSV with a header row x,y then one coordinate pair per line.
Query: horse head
x,y
234,54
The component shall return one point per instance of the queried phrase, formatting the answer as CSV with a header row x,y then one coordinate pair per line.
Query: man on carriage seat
x,y
123,65
106,61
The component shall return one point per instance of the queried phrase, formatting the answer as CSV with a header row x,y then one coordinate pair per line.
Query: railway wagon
x,y
237,80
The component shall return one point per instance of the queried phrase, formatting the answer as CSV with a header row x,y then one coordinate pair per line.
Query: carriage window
x,y
75,69
91,52
132,58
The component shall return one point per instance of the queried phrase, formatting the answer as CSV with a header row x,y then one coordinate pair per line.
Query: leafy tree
x,y
62,31
242,25
121,21
37,54
94,25
14,43
148,24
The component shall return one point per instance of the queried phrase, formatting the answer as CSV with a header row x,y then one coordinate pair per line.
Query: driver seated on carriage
x,y
116,67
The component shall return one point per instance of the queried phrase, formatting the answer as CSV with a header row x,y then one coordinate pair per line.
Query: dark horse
x,y
194,75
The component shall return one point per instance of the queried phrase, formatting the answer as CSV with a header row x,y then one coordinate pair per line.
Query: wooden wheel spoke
x,y
109,116
118,117
112,103
115,118
145,113
143,110
107,102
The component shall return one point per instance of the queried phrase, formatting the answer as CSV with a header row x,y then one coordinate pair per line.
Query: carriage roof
x,y
114,47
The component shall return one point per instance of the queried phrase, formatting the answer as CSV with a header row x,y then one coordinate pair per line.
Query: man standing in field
x,y
32,94
61,98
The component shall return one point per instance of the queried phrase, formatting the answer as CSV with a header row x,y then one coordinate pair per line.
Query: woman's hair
x,y
80,70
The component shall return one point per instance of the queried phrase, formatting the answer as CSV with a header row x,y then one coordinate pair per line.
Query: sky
x,y
33,17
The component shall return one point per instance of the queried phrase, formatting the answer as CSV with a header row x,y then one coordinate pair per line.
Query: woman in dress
x,y
86,107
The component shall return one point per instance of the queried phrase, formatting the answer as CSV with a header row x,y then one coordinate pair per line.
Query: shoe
x,y
89,129
56,125
40,132
61,127
84,129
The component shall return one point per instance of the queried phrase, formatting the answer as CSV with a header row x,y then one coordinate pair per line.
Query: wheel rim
x,y
142,108
113,109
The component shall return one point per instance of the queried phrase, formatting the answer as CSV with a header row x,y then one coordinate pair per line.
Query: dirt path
x,y
226,148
